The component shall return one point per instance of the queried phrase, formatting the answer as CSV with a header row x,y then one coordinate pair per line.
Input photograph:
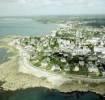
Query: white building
x,y
76,69
64,45
99,49
93,69
44,64
63,60
56,68
81,51
53,33
93,41
66,67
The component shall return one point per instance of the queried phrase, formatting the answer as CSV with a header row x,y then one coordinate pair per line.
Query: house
x,y
44,64
63,43
102,69
53,33
92,58
99,49
93,41
81,63
28,48
63,60
76,68
93,69
81,51
55,68
103,73
66,67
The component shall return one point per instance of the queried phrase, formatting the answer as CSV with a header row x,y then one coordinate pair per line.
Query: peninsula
x,y
72,54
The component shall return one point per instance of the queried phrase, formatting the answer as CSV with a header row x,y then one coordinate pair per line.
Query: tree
x,y
91,47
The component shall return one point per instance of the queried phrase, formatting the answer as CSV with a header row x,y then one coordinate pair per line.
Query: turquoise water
x,y
24,26
4,55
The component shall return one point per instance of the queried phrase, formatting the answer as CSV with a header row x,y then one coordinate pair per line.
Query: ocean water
x,y
40,93
24,26
4,55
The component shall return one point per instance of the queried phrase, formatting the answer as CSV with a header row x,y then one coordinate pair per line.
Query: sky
x,y
51,7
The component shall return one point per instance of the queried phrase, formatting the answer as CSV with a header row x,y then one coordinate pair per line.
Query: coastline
x,y
57,80
15,80
45,93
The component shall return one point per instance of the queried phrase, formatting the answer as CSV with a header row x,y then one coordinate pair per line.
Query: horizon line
x,y
52,15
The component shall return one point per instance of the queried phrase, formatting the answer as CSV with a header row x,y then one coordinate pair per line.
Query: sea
x,y
41,93
5,55
25,26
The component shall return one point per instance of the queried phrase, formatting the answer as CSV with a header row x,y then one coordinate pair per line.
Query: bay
x,y
4,55
24,26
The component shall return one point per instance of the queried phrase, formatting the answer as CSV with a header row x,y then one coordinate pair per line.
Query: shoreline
x,y
42,90
56,80
15,80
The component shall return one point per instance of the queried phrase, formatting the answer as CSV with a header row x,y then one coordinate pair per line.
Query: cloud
x,y
55,2
51,6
